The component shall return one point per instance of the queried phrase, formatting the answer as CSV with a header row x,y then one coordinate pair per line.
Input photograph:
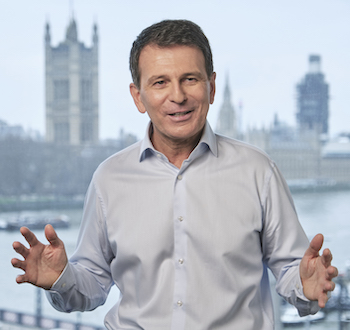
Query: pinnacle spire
x,y
72,33
227,91
47,33
226,124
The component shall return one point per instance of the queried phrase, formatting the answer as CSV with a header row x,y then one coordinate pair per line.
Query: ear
x,y
135,93
212,87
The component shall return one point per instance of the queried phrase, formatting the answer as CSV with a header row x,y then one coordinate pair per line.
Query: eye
x,y
190,79
159,82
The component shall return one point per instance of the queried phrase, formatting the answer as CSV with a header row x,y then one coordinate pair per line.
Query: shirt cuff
x,y
303,304
65,281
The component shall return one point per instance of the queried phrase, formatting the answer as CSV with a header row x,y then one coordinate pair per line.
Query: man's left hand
x,y
316,272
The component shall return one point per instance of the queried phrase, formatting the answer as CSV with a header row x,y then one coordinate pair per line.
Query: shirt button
x,y
159,155
180,218
181,261
179,177
179,303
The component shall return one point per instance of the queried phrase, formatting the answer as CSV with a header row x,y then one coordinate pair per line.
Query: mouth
x,y
179,114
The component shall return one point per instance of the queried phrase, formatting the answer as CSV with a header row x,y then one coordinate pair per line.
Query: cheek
x,y
152,100
204,98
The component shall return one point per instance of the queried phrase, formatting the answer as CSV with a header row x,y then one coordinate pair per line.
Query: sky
x,y
260,47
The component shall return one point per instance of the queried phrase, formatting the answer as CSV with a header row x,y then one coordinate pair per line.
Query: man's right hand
x,y
42,264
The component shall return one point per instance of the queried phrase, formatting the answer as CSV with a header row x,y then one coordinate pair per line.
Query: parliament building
x,y
305,154
71,74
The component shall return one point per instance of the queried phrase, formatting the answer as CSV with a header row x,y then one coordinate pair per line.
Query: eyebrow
x,y
197,74
154,78
187,74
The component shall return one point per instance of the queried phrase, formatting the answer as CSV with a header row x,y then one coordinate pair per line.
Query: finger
x,y
326,257
51,236
29,236
315,246
328,286
21,279
321,303
332,272
21,249
18,263
333,286
322,300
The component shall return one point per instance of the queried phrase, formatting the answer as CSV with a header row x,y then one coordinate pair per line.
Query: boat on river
x,y
290,316
60,221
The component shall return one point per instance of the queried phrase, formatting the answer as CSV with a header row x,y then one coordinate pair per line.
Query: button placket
x,y
180,250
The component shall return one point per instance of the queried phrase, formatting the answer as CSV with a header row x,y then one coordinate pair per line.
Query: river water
x,y
319,212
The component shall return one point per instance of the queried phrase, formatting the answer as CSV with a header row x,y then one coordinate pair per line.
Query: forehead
x,y
154,59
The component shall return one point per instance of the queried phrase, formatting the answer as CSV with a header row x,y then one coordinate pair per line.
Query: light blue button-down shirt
x,y
188,248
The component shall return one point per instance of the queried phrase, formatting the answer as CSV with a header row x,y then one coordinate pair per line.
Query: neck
x,y
175,150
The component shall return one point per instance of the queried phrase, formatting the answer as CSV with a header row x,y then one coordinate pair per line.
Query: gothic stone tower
x,y
71,89
312,99
227,123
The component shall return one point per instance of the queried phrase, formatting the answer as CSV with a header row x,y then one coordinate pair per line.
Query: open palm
x,y
42,264
316,272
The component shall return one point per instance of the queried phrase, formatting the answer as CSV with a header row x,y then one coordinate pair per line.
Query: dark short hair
x,y
170,33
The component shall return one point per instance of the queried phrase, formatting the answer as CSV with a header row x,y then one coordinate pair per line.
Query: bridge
x,y
38,321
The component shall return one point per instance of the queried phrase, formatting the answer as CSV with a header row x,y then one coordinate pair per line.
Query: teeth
x,y
177,114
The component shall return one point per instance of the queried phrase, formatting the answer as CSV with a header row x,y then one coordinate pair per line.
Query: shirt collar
x,y
207,140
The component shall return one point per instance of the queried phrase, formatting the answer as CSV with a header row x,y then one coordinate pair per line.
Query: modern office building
x,y
71,71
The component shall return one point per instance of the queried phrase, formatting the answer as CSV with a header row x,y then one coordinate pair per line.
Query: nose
x,y
177,94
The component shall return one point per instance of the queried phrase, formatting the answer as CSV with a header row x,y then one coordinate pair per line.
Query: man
x,y
185,222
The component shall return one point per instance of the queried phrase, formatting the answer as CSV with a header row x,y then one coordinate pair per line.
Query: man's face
x,y
175,91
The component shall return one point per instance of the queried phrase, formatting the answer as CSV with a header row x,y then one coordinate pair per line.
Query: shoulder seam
x,y
99,196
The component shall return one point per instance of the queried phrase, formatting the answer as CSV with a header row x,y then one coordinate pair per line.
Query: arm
x,y
82,283
316,272
86,280
284,244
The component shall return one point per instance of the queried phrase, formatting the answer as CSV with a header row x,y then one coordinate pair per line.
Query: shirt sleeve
x,y
85,282
284,243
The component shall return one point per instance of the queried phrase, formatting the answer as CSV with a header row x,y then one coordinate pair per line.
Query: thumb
x,y
315,246
51,236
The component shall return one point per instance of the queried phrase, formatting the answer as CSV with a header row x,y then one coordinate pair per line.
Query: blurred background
x,y
283,78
